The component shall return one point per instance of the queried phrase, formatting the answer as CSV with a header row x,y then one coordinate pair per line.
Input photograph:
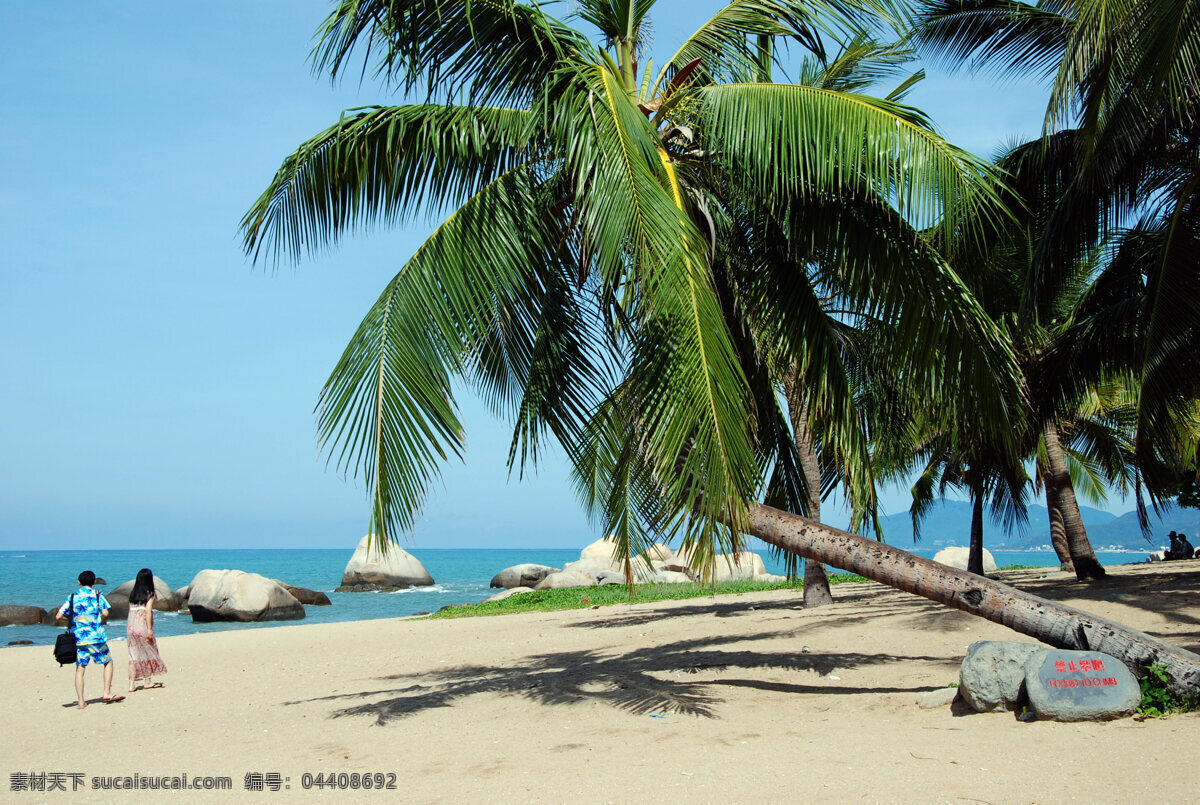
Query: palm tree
x,y
1082,388
576,281
1036,305
944,440
952,461
825,451
1128,76
1095,453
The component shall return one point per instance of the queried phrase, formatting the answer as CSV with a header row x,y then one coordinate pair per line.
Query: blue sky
x,y
158,387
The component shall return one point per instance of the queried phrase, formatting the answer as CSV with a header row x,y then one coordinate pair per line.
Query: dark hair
x,y
143,587
87,578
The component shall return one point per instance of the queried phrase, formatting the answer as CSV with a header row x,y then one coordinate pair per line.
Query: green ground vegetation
x,y
617,594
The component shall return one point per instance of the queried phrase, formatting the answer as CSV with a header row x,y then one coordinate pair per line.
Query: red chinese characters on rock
x,y
1075,667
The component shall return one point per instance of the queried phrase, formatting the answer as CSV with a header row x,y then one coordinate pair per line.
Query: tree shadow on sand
x,y
681,678
704,608
789,607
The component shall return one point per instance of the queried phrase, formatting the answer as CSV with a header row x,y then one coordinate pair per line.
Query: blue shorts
x,y
96,652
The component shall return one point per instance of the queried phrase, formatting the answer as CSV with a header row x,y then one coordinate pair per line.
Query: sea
x,y
462,576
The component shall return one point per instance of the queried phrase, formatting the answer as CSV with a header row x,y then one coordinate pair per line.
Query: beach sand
x,y
744,698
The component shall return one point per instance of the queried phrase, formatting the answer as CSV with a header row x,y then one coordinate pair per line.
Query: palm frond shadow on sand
x,y
680,678
924,614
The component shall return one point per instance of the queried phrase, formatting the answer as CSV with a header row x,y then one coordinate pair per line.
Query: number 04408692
x,y
348,780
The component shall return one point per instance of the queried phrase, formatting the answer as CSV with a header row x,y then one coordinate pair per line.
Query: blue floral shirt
x,y
88,628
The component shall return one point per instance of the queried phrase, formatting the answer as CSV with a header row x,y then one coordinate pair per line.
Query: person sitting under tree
x,y
1185,548
1180,548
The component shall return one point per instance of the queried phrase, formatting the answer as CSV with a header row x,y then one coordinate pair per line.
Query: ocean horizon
x,y
461,575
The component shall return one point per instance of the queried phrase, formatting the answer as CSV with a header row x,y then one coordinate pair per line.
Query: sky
x,y
158,386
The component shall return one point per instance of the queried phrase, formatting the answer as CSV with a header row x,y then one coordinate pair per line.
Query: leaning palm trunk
x,y
1058,531
1082,556
816,582
1055,624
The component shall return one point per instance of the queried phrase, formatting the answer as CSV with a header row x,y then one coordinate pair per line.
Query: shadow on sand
x,y
682,677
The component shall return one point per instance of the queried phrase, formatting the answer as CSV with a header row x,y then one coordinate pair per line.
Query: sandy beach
x,y
737,699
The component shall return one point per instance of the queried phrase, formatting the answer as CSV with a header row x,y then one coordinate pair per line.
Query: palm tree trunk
x,y
975,554
1058,531
816,582
1082,556
1051,623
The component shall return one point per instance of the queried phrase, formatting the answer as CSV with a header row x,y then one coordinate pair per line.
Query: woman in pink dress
x,y
144,662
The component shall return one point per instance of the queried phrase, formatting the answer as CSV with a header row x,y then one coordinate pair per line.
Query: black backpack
x,y
64,646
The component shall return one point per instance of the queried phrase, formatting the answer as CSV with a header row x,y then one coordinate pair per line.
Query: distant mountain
x,y
949,523
1124,530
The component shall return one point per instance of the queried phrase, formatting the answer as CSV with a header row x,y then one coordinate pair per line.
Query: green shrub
x,y
1157,697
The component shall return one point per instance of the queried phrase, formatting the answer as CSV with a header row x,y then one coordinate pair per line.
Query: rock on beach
x,y
598,565
942,697
992,676
526,575
1080,686
957,557
511,591
567,577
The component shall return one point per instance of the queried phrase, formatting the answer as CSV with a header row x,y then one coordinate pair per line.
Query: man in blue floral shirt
x,y
88,609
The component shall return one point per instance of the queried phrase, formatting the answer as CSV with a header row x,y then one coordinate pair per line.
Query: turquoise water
x,y
46,578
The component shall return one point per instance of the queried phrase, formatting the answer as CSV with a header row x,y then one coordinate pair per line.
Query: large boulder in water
x,y
181,596
16,615
526,575
304,595
957,557
232,595
314,598
393,569
164,599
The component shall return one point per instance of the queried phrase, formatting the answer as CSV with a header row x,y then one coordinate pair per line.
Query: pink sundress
x,y
144,661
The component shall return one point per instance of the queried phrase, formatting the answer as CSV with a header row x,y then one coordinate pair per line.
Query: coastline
x,y
44,578
746,697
